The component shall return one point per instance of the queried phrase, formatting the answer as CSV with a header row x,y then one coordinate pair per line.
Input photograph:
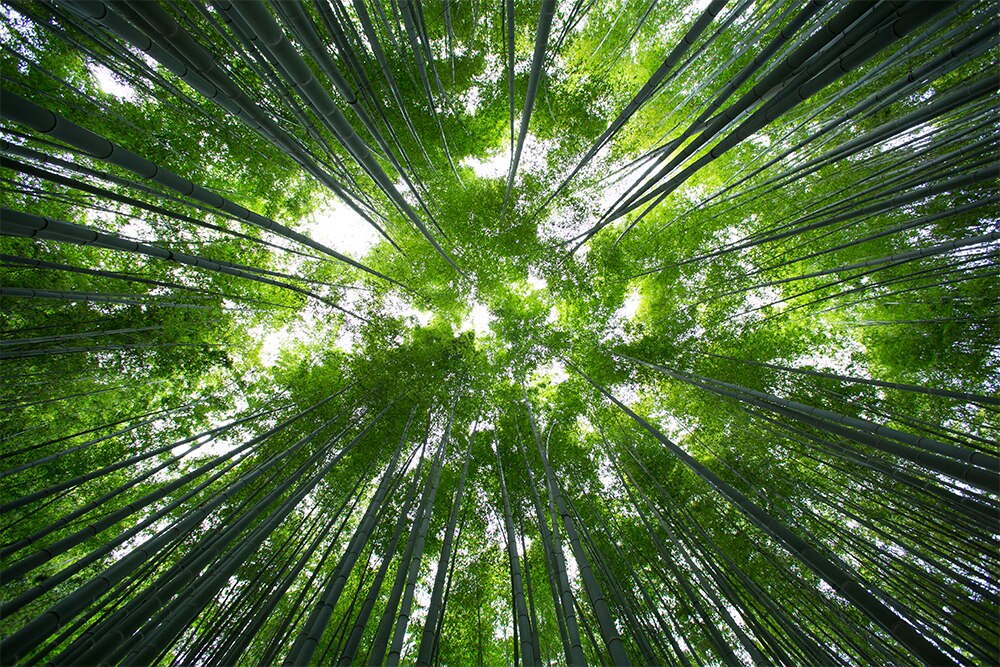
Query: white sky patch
x,y
672,427
572,569
730,235
109,82
351,300
5,33
346,341
763,297
397,306
601,201
695,333
536,281
137,229
472,100
220,444
336,225
626,393
630,307
610,196
905,138
759,299
839,360
478,320
553,315
698,6
616,325
423,316
216,447
606,475
305,329
495,166
414,463
534,157
484,423
271,345
422,599
554,371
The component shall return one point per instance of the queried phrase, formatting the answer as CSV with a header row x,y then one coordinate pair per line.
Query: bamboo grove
x,y
671,336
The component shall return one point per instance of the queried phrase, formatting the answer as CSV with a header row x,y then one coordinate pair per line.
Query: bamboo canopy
x,y
465,333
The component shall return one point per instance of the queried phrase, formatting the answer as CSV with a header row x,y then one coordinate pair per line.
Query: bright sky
x,y
109,83
303,329
616,325
478,320
630,307
554,371
492,167
336,225
536,281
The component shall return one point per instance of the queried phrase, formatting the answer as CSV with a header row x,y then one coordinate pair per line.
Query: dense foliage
x,y
466,332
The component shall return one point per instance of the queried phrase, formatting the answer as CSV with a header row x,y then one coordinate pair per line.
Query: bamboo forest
x,y
500,332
